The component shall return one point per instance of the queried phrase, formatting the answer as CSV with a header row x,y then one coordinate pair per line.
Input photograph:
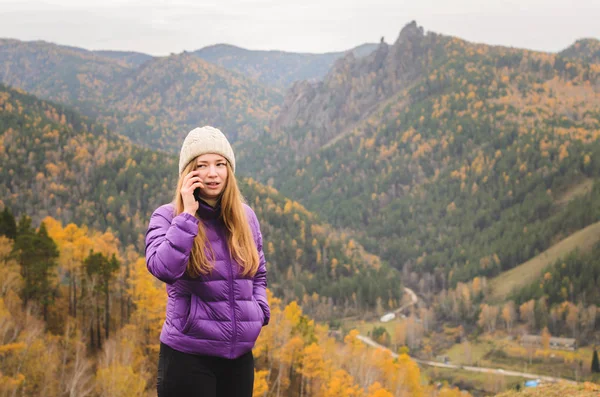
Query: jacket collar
x,y
205,211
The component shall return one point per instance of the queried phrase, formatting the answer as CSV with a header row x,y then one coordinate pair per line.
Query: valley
x,y
430,210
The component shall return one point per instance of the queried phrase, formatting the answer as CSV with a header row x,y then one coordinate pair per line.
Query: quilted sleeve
x,y
169,244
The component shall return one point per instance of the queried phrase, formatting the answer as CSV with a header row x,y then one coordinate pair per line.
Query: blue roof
x,y
531,383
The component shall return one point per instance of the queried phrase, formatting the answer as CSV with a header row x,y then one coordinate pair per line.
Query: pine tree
x,y
595,363
103,268
48,260
23,250
8,226
37,254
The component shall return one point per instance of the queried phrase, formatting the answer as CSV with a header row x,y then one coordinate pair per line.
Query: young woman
x,y
207,247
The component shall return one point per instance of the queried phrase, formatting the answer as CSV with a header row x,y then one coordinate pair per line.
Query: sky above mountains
x,y
160,27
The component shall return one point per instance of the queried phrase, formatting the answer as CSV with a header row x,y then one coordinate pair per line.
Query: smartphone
x,y
197,192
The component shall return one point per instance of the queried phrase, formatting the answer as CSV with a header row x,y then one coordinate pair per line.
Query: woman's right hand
x,y
190,182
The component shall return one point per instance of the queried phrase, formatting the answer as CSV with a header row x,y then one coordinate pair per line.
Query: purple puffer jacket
x,y
220,314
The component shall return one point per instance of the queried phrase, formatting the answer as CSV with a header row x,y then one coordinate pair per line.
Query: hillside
x,y
448,156
587,50
152,101
57,163
278,69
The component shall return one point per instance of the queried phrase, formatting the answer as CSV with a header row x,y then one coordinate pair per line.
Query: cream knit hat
x,y
205,140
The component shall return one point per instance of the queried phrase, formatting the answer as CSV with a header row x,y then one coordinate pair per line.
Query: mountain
x,y
155,100
587,50
131,58
63,74
155,104
166,97
450,158
317,114
57,163
276,68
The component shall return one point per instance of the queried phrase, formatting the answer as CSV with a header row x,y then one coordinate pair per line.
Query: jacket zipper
x,y
231,297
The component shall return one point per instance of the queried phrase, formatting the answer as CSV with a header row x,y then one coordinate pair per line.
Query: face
x,y
213,172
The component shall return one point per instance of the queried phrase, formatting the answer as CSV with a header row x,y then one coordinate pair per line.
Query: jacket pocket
x,y
260,313
190,318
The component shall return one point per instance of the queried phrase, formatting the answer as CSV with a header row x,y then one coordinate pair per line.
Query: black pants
x,y
189,375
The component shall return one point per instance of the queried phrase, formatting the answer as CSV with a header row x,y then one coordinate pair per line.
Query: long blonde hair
x,y
239,236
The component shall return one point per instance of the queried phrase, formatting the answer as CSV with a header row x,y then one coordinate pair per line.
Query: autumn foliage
x,y
76,352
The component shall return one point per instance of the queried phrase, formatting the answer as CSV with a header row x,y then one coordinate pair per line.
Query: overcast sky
x,y
160,27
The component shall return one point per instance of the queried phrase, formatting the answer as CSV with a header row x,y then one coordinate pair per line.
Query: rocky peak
x,y
409,33
352,88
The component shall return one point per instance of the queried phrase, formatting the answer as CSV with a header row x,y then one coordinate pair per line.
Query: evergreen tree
x,y
8,226
37,254
103,269
24,251
595,363
48,260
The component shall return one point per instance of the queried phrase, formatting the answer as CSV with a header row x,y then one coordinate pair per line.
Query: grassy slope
x,y
524,274
557,390
473,382
579,189
485,353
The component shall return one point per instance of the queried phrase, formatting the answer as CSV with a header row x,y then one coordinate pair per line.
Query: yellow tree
x,y
488,317
10,376
376,390
572,318
278,347
289,355
546,338
355,355
106,243
509,314
261,386
11,348
453,392
313,368
527,313
150,300
38,362
77,246
399,334
340,384
119,371
409,377
264,344
74,245
11,280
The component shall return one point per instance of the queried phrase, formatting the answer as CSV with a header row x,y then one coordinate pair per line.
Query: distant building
x,y
532,383
443,359
387,317
555,343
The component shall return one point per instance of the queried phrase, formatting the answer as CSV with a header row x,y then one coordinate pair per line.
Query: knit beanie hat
x,y
205,140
